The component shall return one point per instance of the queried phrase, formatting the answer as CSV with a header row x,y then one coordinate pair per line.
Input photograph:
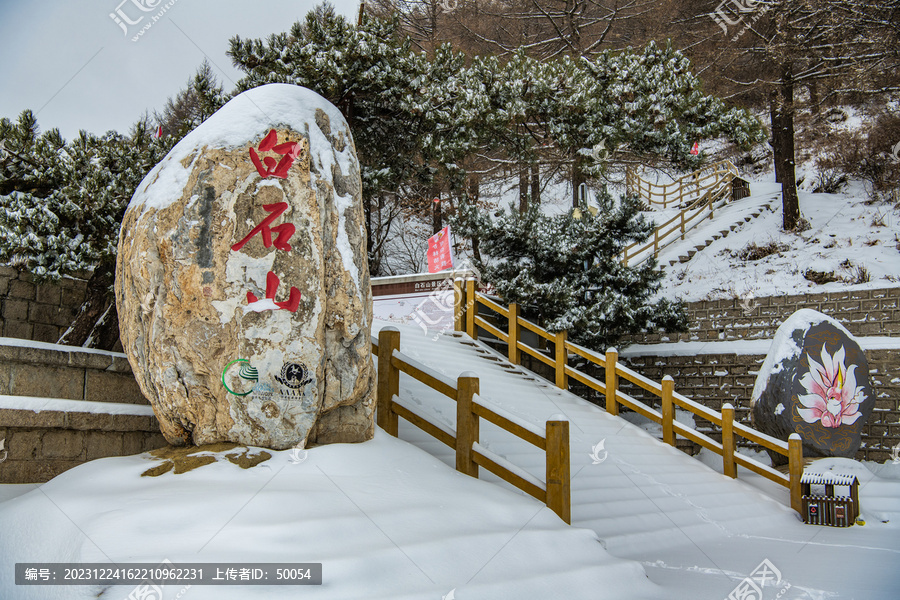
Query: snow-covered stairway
x,y
730,217
634,491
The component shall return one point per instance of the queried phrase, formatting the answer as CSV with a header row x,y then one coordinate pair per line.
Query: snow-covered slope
x,y
386,521
846,233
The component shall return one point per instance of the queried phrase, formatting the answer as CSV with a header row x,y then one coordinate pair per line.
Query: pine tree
x,y
200,98
566,271
61,205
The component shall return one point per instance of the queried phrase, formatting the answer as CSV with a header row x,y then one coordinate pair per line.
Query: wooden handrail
x,y
674,190
710,184
669,399
554,440
676,228
417,371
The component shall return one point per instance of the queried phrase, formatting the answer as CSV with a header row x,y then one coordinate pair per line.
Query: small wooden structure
x,y
740,188
828,509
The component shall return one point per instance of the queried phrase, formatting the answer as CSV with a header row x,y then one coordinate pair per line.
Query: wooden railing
x,y
555,491
684,189
675,228
614,371
696,194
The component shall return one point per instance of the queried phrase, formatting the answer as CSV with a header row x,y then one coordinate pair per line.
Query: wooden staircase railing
x,y
684,189
468,303
553,439
675,228
702,190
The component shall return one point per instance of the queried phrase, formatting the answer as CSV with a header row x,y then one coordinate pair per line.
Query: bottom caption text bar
x,y
169,574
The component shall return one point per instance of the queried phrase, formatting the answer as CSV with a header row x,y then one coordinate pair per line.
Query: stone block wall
x,y
37,311
66,373
714,379
93,393
42,445
862,312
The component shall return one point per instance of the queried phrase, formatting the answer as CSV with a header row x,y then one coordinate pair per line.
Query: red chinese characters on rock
x,y
268,166
284,231
272,283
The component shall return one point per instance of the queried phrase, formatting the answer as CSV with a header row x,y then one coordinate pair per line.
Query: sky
x,y
76,68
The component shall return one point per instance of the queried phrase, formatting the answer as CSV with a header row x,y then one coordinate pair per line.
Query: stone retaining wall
x,y
42,442
66,372
42,445
862,312
41,312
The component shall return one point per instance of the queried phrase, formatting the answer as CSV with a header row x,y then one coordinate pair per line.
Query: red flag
x,y
440,254
158,132
695,149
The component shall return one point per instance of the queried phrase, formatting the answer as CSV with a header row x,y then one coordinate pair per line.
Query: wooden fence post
x,y
459,304
514,333
471,307
559,494
612,381
795,469
562,359
668,410
467,385
682,224
388,379
728,440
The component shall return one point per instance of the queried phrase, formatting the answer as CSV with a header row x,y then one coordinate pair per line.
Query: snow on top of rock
x,y
248,116
784,347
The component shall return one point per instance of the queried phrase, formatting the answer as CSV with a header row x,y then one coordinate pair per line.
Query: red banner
x,y
440,253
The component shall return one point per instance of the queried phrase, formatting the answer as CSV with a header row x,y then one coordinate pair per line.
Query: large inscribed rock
x,y
242,283
814,382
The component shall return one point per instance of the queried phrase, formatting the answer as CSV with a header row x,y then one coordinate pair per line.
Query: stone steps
x,y
718,236
643,495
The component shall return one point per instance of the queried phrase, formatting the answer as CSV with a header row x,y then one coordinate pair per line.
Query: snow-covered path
x,y
697,532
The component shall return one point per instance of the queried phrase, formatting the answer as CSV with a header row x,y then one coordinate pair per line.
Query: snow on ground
x,y
20,343
389,521
697,533
431,311
845,234
385,519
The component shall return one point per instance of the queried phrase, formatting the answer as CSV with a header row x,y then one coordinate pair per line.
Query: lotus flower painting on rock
x,y
814,382
832,394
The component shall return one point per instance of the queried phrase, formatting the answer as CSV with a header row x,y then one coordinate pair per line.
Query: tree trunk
x,y
536,183
97,325
523,190
474,193
367,209
775,120
814,102
783,144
